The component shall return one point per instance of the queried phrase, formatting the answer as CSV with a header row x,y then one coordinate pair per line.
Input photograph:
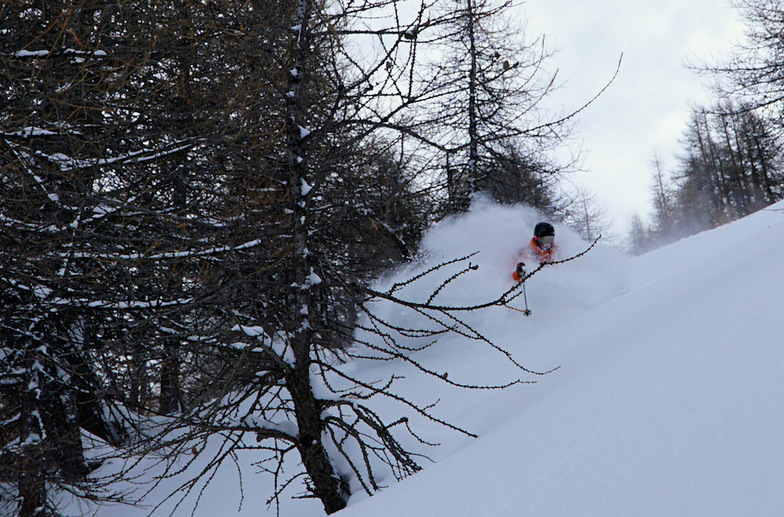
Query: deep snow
x,y
668,399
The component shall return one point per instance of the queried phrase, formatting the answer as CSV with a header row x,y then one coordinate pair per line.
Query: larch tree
x,y
488,115
189,232
286,289
585,215
81,213
731,167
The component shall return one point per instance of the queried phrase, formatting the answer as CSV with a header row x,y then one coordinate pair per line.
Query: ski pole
x,y
521,275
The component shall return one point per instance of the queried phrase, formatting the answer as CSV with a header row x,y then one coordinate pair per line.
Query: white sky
x,y
646,110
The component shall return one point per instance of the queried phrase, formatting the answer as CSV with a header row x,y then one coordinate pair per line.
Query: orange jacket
x,y
535,253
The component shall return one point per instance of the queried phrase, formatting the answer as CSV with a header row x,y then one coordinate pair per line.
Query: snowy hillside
x,y
668,399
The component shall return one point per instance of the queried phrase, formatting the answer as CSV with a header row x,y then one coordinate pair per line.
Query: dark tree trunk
x,y
326,484
170,380
31,484
32,490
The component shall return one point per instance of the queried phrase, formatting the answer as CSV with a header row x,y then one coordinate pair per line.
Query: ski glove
x,y
519,273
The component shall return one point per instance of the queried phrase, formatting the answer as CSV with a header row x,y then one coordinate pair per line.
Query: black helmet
x,y
543,229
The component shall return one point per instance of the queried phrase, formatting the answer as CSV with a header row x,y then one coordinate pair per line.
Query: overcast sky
x,y
646,109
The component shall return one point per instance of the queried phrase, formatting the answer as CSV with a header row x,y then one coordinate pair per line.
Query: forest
x,y
195,198
197,195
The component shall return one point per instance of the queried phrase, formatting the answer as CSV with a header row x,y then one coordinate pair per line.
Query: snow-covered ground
x,y
668,399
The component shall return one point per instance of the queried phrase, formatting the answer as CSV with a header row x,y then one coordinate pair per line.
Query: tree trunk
x,y
32,490
170,379
307,296
31,484
473,131
326,485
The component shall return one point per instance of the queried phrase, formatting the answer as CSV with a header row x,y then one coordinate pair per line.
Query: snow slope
x,y
668,399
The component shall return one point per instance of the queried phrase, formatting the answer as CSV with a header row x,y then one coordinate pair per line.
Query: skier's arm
x,y
519,273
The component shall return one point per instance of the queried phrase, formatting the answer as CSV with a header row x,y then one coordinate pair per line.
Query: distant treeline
x,y
732,159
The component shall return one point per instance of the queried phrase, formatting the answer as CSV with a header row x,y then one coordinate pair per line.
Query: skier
x,y
542,248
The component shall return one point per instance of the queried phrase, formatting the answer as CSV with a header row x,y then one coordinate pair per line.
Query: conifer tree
x,y
188,230
488,113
